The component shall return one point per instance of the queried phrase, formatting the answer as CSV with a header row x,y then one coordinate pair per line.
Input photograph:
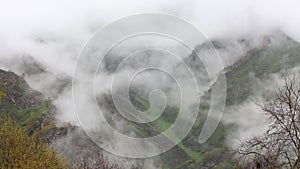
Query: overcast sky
x,y
68,24
72,19
65,25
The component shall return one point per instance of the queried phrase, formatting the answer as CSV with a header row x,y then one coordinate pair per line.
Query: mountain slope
x,y
25,105
277,53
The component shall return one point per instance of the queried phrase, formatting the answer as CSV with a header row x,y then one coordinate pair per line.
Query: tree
x,y
18,150
96,160
279,146
2,94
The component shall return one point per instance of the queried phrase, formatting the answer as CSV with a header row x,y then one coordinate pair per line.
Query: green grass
x,y
27,117
160,125
260,62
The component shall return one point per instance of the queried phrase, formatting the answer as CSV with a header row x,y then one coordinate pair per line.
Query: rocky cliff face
x,y
17,92
28,107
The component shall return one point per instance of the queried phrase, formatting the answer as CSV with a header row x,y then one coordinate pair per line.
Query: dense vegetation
x,y
27,127
18,150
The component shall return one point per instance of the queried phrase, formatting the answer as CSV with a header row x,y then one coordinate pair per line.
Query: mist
x,y
43,40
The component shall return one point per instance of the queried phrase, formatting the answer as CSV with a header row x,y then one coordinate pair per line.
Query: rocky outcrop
x,y
17,92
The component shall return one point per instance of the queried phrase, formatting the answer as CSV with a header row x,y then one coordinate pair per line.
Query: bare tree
x,y
279,146
96,160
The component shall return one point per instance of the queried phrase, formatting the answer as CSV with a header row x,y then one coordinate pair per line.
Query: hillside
x,y
277,53
274,54
36,113
27,107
